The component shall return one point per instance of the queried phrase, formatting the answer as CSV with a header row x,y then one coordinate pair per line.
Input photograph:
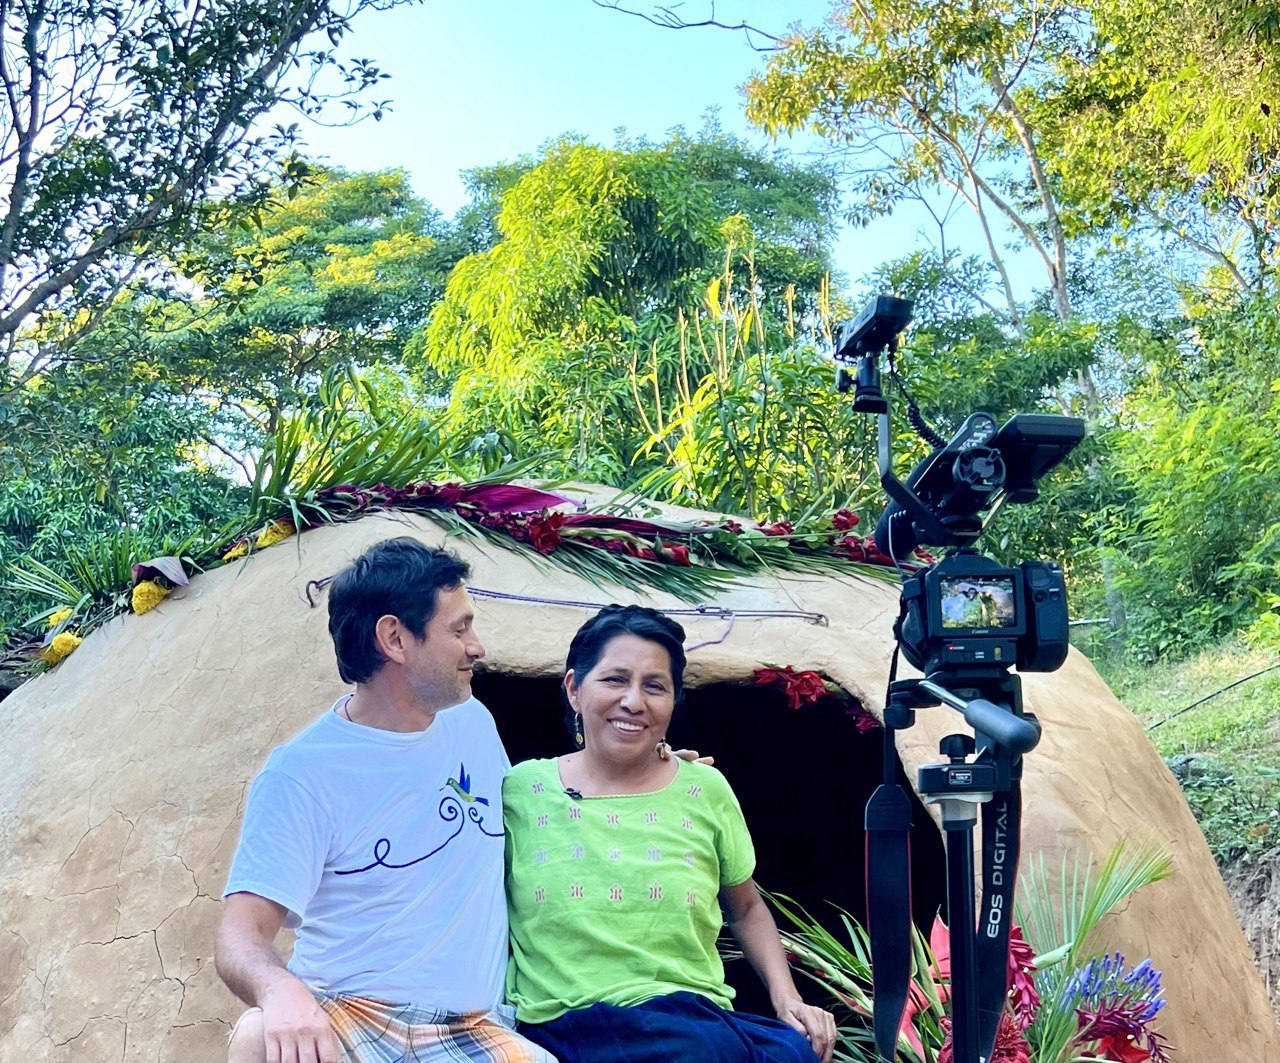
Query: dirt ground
x,y
1255,891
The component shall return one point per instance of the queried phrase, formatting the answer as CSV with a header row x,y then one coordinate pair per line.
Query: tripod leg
x,y
960,920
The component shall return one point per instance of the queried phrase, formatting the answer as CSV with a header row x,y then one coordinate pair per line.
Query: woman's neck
x,y
596,776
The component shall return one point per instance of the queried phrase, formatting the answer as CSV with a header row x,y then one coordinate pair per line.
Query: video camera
x,y
965,621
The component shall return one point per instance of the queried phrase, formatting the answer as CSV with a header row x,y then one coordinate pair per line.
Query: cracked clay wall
x,y
124,770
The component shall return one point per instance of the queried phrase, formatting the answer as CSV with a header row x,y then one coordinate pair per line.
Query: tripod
x,y
982,773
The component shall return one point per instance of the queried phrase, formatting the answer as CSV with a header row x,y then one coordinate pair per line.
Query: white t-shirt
x,y
386,849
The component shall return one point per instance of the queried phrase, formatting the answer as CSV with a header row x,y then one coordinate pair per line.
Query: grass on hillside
x,y
1226,751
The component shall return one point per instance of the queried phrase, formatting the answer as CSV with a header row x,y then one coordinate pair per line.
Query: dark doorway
x,y
802,776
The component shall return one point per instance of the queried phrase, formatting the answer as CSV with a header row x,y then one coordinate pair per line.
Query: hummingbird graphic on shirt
x,y
462,787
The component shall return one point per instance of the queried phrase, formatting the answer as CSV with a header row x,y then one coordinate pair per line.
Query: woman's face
x,y
625,700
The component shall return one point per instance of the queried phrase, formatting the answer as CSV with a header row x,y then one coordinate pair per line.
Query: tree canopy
x,y
117,120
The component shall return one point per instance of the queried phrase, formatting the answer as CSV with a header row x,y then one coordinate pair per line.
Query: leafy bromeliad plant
x,y
1068,1002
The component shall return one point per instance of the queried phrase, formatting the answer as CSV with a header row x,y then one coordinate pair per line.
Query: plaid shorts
x,y
373,1031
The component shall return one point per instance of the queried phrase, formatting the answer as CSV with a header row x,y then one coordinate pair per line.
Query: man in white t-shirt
x,y
376,833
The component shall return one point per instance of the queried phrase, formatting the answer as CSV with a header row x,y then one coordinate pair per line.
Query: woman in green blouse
x,y
619,858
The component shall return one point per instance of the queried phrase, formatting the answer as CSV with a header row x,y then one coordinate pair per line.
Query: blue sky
x,y
475,82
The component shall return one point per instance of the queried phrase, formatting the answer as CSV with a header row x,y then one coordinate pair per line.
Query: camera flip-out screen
x,y
970,603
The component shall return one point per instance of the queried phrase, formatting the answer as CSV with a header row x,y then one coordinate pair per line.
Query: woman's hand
x,y
817,1025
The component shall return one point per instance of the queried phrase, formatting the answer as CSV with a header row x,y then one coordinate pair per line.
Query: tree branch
x,y
666,18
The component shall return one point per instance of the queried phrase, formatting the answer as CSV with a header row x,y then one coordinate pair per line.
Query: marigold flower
x,y
62,646
60,616
275,532
147,595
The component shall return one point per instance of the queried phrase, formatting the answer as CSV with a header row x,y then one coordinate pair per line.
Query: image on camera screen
x,y
975,603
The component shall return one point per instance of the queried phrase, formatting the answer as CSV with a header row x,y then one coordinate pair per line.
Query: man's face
x,y
440,664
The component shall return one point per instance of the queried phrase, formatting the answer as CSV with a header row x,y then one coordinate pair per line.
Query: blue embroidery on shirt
x,y
451,809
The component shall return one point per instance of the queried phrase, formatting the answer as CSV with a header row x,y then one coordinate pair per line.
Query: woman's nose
x,y
632,699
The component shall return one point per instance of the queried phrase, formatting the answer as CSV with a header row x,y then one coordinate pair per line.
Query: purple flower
x,y
1114,1005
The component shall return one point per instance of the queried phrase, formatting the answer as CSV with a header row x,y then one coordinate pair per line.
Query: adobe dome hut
x,y
124,772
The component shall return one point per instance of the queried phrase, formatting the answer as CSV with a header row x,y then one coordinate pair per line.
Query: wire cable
x,y
1207,697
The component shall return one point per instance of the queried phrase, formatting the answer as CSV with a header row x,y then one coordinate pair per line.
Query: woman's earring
x,y
579,739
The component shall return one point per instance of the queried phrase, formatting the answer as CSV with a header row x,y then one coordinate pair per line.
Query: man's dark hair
x,y
397,577
589,643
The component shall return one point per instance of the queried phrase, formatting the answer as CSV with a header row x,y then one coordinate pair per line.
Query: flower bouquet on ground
x,y
1068,1002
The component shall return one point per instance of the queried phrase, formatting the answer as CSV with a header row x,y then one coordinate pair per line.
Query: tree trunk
x,y
1118,642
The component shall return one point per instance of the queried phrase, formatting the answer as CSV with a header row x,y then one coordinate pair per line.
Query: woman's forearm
x,y
753,926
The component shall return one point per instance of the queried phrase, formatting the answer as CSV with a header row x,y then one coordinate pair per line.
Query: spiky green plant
x,y
842,966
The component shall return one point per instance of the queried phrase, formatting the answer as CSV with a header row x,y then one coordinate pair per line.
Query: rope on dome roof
x,y
721,612
712,611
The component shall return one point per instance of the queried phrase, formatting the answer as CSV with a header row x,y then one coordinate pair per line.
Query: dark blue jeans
x,y
681,1028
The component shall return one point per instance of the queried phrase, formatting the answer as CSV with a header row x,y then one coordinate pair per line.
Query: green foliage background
x,y
658,316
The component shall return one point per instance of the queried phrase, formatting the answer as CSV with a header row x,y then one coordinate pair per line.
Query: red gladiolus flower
x,y
863,721
844,519
851,547
799,688
874,554
732,526
678,555
544,531
782,527
446,494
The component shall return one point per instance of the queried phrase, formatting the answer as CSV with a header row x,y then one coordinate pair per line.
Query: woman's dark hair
x,y
397,577
613,620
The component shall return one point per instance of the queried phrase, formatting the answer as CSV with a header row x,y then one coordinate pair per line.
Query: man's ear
x,y
571,689
390,636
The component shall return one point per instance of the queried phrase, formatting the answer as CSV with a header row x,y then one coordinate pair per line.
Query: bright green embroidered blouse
x,y
616,899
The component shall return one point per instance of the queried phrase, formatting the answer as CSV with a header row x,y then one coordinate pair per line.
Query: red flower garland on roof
x,y
799,688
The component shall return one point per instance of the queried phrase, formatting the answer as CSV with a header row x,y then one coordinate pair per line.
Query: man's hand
x,y
295,1027
817,1025
692,755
